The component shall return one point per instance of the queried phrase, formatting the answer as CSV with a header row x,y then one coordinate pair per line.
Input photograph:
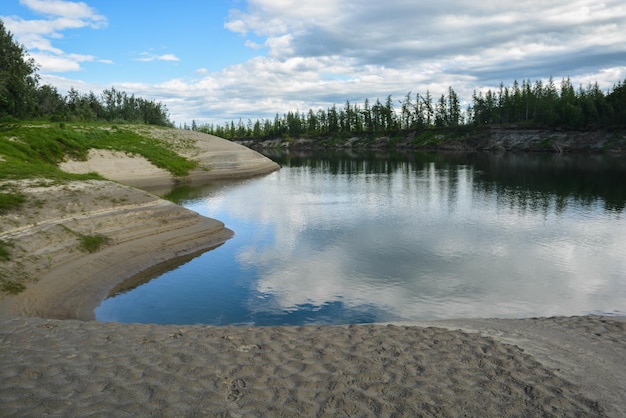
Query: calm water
x,y
341,238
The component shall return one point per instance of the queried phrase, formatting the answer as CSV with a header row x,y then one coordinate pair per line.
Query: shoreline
x,y
64,281
55,360
462,139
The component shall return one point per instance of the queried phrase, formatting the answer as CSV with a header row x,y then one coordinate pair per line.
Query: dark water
x,y
353,238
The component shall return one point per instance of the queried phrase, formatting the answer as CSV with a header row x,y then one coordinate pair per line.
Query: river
x,y
347,237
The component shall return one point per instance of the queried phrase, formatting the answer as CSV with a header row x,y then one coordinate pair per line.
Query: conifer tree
x,y
18,78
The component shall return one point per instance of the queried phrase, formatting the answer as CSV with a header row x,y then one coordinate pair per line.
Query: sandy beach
x,y
74,368
56,361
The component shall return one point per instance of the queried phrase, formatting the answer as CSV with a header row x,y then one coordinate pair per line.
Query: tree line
x,y
22,96
538,104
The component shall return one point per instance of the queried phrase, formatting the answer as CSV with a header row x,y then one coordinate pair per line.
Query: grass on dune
x,y
10,201
34,151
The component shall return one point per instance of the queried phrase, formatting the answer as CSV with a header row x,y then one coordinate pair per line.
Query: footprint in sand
x,y
235,390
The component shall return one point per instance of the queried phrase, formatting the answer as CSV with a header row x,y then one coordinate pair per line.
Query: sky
x,y
214,61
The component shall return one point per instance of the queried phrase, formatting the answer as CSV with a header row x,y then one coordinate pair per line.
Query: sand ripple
x,y
73,368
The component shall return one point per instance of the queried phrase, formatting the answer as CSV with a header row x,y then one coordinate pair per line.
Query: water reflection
x,y
584,178
343,238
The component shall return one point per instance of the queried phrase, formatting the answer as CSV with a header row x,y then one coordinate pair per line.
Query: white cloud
x,y
67,9
237,25
316,54
253,45
147,57
61,63
60,16
56,63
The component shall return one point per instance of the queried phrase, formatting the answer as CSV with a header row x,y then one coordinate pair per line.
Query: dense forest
x,y
538,104
22,96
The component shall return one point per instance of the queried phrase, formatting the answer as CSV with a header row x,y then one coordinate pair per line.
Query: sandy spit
x,y
65,281
142,232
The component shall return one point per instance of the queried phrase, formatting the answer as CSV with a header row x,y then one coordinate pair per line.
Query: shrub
x,y
5,254
11,287
92,243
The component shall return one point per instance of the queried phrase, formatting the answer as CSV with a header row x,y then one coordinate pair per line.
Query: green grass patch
x,y
436,136
5,253
92,243
429,137
11,201
153,150
548,143
36,150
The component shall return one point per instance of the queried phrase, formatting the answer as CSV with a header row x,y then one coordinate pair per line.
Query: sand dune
x,y
217,159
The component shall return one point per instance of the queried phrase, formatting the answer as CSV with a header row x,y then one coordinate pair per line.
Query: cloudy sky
x,y
218,60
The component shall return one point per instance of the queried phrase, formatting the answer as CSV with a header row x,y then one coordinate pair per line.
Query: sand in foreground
x,y
73,368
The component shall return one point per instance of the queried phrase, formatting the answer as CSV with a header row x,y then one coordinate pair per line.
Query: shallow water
x,y
354,238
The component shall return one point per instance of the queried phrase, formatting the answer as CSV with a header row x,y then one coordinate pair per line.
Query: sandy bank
x,y
73,368
141,231
64,280
217,159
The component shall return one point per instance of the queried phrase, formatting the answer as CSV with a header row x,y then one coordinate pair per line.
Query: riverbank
x,y
463,139
65,279
217,158
70,243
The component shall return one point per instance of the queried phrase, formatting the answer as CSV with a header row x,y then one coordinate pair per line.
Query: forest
x,y
22,96
526,105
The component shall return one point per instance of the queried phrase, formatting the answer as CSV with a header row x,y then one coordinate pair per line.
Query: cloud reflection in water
x,y
349,240
428,243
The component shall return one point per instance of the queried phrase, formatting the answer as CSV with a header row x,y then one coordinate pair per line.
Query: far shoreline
x,y
460,139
